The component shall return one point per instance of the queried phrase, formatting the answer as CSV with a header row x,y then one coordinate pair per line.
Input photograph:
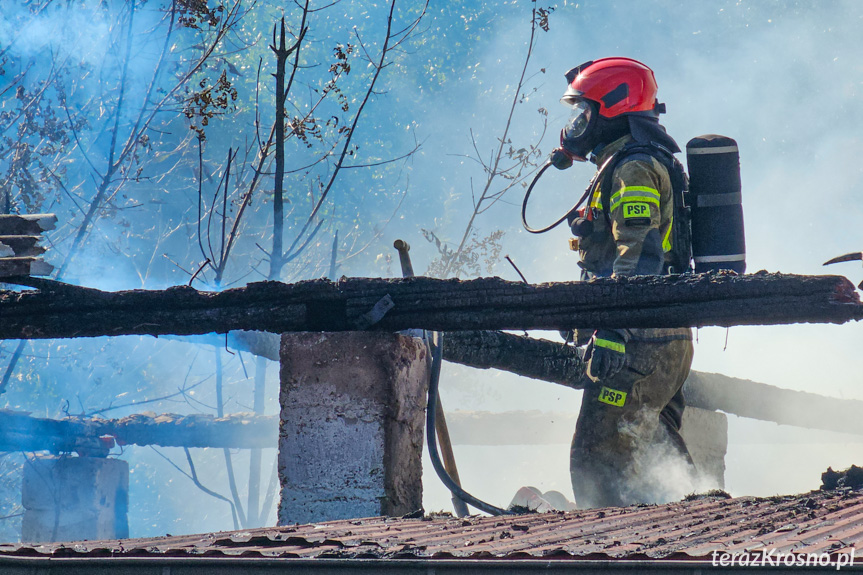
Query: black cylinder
x,y
718,241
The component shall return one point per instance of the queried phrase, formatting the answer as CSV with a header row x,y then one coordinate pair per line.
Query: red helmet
x,y
618,85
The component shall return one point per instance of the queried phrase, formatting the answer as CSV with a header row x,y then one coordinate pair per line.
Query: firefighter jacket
x,y
636,235
631,420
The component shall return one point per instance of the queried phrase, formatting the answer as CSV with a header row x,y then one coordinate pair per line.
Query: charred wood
x,y
747,398
20,246
26,225
556,363
443,305
522,355
28,266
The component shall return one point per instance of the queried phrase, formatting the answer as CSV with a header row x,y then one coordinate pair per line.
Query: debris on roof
x,y
816,522
851,477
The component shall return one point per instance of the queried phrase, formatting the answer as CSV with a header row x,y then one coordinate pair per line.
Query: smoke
x,y
658,471
81,34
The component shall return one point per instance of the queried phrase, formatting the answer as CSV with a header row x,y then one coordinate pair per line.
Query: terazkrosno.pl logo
x,y
774,558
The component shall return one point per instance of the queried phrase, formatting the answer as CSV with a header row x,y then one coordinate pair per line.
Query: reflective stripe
x,y
666,241
717,150
640,189
719,259
634,193
612,345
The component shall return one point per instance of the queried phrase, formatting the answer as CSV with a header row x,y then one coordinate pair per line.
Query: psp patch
x,y
636,210
612,396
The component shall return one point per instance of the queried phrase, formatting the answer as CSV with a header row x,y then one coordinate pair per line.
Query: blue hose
x,y
437,361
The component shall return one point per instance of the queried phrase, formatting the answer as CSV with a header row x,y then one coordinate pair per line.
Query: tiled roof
x,y
815,522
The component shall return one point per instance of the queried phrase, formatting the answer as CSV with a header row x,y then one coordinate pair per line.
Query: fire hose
x,y
435,341
437,361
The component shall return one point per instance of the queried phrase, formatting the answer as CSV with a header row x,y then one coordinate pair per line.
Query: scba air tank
x,y
715,200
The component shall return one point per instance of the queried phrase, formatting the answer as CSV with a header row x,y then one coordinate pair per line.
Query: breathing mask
x,y
578,136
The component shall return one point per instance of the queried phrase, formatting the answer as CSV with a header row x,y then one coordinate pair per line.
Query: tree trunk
x,y
443,305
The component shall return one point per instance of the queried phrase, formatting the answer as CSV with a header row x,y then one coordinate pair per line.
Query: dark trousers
x,y
629,450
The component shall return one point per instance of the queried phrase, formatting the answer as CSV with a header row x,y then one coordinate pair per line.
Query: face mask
x,y
577,137
579,120
586,130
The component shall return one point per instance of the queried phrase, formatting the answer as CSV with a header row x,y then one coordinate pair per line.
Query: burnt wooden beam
x,y
28,266
526,356
755,400
554,362
20,246
26,224
20,432
442,305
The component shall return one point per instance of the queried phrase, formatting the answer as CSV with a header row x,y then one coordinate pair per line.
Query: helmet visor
x,y
579,120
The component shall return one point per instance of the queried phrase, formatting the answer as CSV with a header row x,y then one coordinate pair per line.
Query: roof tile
x,y
814,522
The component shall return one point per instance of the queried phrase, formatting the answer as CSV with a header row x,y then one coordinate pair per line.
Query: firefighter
x,y
627,447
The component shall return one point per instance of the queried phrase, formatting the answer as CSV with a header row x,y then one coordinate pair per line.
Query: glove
x,y
605,354
560,159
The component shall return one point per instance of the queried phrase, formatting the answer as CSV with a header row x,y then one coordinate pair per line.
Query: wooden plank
x,y
441,305
13,267
20,246
26,224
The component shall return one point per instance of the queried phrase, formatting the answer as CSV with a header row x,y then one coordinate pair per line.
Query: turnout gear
x,y
605,354
631,212
628,427
627,446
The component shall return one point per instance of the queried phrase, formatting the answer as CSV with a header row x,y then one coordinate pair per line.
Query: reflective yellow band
x,y
612,396
635,192
636,210
641,189
612,345
666,241
596,200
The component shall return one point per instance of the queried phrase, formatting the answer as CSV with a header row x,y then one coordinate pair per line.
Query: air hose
x,y
437,360
590,189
